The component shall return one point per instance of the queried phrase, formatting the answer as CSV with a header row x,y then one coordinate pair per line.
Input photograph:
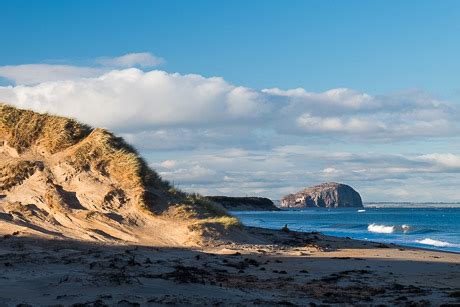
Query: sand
x,y
287,269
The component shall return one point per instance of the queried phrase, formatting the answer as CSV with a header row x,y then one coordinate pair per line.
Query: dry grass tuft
x,y
227,222
109,156
101,152
195,206
206,215
54,199
14,173
23,129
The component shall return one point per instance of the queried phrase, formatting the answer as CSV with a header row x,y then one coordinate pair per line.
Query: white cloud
x,y
30,74
330,170
131,98
274,173
446,161
134,99
352,125
216,137
190,175
141,59
168,164
354,115
342,98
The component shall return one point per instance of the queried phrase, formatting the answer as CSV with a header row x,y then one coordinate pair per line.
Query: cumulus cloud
x,y
331,101
353,125
233,139
29,74
445,161
141,59
135,99
354,115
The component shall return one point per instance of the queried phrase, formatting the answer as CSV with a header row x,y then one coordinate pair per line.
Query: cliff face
x,y
325,195
244,203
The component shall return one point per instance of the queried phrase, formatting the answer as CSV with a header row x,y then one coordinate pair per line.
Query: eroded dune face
x,y
63,179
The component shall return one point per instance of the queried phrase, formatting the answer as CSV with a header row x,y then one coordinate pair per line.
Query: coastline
x,y
428,228
264,267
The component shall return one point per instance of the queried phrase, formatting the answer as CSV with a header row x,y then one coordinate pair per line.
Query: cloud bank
x,y
136,99
32,74
282,170
244,139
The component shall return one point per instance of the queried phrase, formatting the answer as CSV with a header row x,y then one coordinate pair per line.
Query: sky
x,y
258,98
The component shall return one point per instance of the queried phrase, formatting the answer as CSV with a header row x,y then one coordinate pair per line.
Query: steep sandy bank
x,y
62,179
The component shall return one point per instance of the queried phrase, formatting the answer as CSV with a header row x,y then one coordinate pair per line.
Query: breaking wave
x,y
380,228
405,227
437,243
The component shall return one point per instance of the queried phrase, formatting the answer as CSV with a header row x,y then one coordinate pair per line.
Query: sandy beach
x,y
286,269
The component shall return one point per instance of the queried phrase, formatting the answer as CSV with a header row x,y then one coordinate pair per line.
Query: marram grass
x,y
99,151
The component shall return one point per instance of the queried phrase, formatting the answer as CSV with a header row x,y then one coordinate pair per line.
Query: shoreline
x,y
370,241
263,267
386,225
395,245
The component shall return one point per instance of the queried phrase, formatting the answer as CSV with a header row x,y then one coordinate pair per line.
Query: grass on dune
x,y
101,152
94,149
227,222
111,156
13,174
24,128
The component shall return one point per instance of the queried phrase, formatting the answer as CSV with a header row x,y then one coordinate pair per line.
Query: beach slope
x,y
274,268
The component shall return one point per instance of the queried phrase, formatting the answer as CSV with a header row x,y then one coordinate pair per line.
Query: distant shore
x,y
396,204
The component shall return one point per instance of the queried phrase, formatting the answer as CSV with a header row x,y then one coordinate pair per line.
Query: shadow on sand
x,y
38,271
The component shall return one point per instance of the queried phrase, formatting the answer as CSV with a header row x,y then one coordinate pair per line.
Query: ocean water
x,y
433,228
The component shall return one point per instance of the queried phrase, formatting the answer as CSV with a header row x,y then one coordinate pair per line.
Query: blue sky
x,y
254,97
375,46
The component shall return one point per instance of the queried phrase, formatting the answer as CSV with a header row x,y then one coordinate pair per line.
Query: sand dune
x,y
62,179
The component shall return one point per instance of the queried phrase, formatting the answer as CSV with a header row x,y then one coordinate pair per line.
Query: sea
x,y
432,226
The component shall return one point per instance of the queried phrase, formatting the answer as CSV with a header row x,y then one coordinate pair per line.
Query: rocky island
x,y
244,203
325,195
